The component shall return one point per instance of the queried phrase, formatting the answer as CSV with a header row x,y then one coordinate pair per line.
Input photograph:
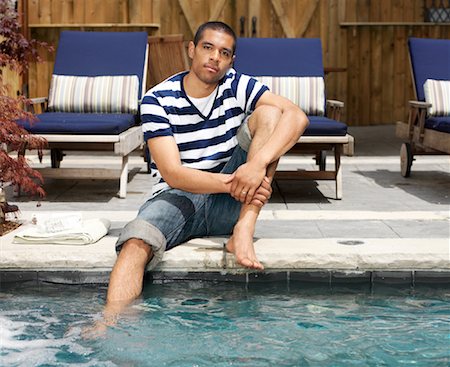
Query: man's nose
x,y
214,55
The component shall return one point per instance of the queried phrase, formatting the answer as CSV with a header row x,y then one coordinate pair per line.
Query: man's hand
x,y
246,180
262,194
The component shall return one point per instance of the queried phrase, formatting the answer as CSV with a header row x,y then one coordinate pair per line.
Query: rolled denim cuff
x,y
139,228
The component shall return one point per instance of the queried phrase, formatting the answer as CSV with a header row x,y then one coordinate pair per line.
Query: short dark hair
x,y
216,26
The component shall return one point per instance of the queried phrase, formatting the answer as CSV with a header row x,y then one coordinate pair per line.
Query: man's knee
x,y
136,248
264,118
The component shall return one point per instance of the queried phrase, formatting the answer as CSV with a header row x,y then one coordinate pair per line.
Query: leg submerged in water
x,y
125,284
128,272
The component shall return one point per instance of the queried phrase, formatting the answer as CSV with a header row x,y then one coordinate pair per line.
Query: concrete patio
x,y
386,228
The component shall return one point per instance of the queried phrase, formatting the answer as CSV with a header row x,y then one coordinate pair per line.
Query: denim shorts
x,y
175,216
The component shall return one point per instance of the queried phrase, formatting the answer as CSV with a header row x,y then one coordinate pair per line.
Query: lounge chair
x,y
293,68
97,83
428,127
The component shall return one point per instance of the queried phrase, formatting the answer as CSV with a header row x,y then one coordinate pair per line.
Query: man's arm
x,y
290,127
164,152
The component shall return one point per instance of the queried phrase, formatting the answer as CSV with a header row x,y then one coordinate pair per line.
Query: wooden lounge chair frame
x,y
420,139
121,145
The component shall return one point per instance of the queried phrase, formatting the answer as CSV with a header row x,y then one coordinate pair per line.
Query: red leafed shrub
x,y
16,53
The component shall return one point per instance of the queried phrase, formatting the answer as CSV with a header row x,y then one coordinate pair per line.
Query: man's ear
x,y
232,61
191,48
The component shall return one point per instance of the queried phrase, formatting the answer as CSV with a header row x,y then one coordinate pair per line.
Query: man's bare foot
x,y
109,319
241,245
95,331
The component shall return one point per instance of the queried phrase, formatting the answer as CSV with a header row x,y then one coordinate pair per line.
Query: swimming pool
x,y
228,324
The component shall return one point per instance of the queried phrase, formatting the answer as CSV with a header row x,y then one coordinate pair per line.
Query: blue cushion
x,y
438,123
80,123
279,56
323,126
430,60
101,53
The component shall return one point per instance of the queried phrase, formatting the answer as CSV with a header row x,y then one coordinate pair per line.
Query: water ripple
x,y
228,325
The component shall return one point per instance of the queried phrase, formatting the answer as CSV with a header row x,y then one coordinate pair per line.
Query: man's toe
x,y
246,262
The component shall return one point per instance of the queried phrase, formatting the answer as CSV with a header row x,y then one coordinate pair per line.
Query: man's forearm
x,y
197,181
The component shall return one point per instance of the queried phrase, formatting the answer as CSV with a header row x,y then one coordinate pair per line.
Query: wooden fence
x,y
364,41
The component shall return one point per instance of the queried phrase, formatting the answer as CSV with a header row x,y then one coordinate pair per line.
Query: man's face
x,y
212,56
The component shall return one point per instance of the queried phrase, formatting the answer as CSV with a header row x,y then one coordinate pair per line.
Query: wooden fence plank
x,y
156,11
111,11
269,24
387,76
365,77
375,11
332,48
386,7
342,78
56,11
408,11
400,68
397,11
351,11
45,9
418,10
189,15
79,11
353,76
92,9
217,10
254,10
33,11
283,18
66,11
135,11
306,17
324,26
400,64
375,70
363,10
124,12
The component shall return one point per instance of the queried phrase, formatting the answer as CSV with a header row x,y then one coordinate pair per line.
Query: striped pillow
x,y
306,92
99,94
437,92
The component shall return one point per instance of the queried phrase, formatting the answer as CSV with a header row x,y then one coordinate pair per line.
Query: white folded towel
x,y
90,231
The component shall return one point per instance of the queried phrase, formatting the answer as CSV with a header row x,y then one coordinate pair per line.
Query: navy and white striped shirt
x,y
204,142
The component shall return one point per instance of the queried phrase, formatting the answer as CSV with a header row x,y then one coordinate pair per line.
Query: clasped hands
x,y
250,185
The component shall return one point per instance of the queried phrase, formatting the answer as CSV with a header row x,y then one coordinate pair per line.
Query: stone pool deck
x,y
386,228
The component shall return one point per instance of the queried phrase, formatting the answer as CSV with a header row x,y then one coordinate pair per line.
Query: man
x,y
215,137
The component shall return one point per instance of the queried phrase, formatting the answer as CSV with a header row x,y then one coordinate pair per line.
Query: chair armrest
x,y
334,109
416,118
41,101
419,104
335,103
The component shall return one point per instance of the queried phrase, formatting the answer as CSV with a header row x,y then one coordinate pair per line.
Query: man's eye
x,y
226,54
207,47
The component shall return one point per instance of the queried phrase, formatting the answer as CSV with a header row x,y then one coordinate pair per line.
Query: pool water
x,y
228,324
